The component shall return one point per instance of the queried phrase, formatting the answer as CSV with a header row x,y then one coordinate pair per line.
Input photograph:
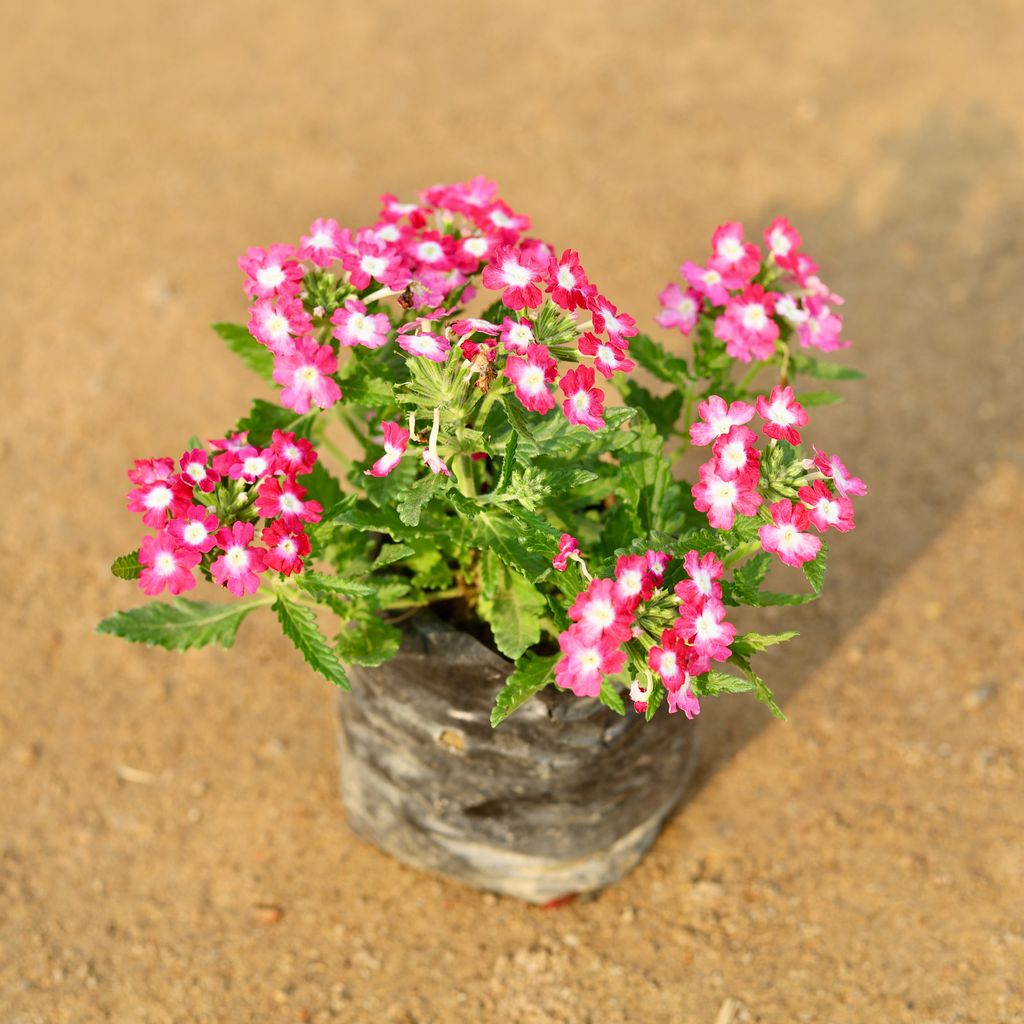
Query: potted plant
x,y
499,540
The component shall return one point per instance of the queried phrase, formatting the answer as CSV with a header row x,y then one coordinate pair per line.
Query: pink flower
x,y
270,272
354,326
735,453
287,502
567,545
703,585
306,376
417,339
194,528
821,328
824,508
747,326
618,326
250,464
723,499
324,243
434,250
737,261
370,259
293,455
669,660
783,240
474,250
160,499
531,377
239,567
435,463
608,359
598,612
587,659
168,564
499,218
285,548
517,337
718,418
396,440
468,326
633,581
782,414
584,403
705,628
706,281
567,282
148,471
196,473
657,563
683,699
678,308
277,325
513,273
785,535
832,466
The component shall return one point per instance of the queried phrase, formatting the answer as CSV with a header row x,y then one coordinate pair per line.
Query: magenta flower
x,y
239,567
634,582
354,326
168,564
306,376
531,377
194,528
736,260
832,466
679,309
567,282
370,259
705,629
824,508
669,660
160,499
396,440
717,418
723,499
324,244
586,660
276,325
287,502
683,699
747,326
619,327
782,414
703,585
416,339
706,281
196,473
293,455
270,272
608,359
251,464
783,241
735,453
821,327
786,537
599,612
567,545
517,337
148,471
285,548
514,274
584,403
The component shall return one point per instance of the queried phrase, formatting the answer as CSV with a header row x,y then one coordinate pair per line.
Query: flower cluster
x,y
205,512
749,298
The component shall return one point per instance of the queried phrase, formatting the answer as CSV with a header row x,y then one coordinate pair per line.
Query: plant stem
x,y
747,548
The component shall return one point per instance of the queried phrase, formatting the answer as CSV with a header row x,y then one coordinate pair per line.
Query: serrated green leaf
x,y
299,624
531,674
516,541
391,553
714,683
810,399
127,567
513,612
655,360
645,476
318,584
611,697
752,574
815,570
822,370
416,496
661,410
266,417
179,624
750,643
256,356
654,701
368,641
508,461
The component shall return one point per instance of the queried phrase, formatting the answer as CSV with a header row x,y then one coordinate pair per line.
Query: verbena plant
x,y
492,482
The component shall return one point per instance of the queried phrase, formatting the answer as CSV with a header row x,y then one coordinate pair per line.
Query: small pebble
x,y
975,698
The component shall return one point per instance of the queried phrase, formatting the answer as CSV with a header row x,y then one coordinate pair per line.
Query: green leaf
x,y
655,360
812,367
514,612
368,641
391,553
322,486
416,496
517,417
256,356
714,683
318,584
611,697
299,624
645,476
531,674
815,571
179,624
266,417
508,461
813,398
750,643
662,411
750,575
654,701
522,540
127,567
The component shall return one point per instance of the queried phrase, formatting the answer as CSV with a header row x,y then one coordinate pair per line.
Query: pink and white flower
x,y
618,326
832,466
285,548
270,272
568,545
306,376
736,260
599,612
148,471
717,418
608,359
239,567
418,339
167,564
657,563
747,326
735,453
324,244
531,377
431,458
633,581
396,440
705,628
277,324
679,309
294,456
826,509
517,337
586,659
287,501
250,464
782,414
584,403
196,473
724,499
706,281
159,499
783,241
514,274
703,584
567,282
194,528
683,699
669,660
786,535
821,327
370,259
354,326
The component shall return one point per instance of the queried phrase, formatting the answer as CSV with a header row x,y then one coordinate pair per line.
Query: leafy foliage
x,y
531,674
178,624
299,624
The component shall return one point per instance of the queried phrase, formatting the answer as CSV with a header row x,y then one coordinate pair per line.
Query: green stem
x,y
464,475
745,549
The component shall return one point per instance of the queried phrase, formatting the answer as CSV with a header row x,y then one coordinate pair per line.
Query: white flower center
x,y
373,265
565,279
165,563
702,581
308,375
532,379
236,557
270,277
754,317
195,533
277,325
159,497
430,252
730,249
197,471
600,614
254,465
581,401
290,503
669,664
516,274
780,242
780,413
287,547
321,240
724,492
475,246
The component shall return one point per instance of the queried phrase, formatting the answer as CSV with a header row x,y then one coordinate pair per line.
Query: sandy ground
x,y
171,843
